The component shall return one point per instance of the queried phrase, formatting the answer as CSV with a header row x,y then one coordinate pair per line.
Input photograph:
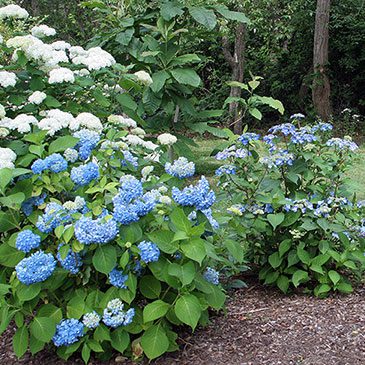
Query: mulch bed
x,y
261,327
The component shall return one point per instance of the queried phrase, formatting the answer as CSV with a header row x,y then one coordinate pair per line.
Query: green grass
x,y
206,164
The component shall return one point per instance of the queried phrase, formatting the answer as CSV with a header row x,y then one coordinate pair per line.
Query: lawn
x,y
206,164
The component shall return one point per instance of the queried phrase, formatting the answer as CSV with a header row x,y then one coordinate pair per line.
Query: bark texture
x,y
236,60
321,89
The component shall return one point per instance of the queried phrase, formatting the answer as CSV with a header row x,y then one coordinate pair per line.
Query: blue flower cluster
x,y
71,155
115,316
280,158
27,241
209,215
101,230
54,215
131,203
232,152
72,262
298,205
35,201
286,129
129,159
118,279
149,251
226,170
303,136
91,320
55,163
180,168
246,138
88,140
84,174
36,268
342,144
323,127
211,275
68,331
200,195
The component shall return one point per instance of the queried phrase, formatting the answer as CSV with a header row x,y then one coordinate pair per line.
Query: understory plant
x,y
102,249
290,206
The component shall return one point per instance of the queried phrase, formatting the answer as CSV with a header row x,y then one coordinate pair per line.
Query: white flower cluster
x,y
7,79
143,77
37,97
133,140
94,59
60,75
2,112
7,158
60,45
41,31
1,39
89,121
13,11
166,139
21,123
122,121
138,132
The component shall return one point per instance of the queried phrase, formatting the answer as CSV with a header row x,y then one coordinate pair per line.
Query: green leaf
x,y
283,283
235,249
51,102
170,9
6,176
334,276
321,289
20,341
204,16
303,255
159,78
186,76
284,247
275,260
62,143
185,273
126,101
154,341
194,249
155,310
28,292
105,259
120,339
13,201
43,328
10,256
85,353
188,310
164,241
150,287
50,311
276,219
299,276
345,288
232,15
273,103
256,114
125,37
216,298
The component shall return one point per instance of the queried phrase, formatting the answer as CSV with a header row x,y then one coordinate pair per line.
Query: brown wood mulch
x,y
261,327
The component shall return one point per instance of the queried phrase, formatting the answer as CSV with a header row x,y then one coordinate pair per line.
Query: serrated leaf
x,y
155,310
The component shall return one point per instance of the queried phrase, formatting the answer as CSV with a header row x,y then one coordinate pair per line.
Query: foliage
x,y
98,253
291,208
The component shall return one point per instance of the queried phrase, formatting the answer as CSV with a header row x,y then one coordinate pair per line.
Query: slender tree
x,y
321,84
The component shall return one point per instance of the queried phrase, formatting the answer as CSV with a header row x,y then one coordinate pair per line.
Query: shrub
x,y
95,253
290,206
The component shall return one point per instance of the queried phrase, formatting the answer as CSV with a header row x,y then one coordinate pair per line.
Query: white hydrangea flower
x,y
166,139
76,51
60,75
146,171
82,72
94,59
153,157
22,123
164,199
133,140
7,79
55,120
4,132
122,121
51,125
7,158
149,145
143,77
60,45
13,11
37,97
42,30
2,112
71,155
1,39
138,132
89,121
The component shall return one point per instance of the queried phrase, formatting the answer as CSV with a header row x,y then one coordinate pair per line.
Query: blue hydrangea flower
x,y
68,331
226,170
129,158
91,320
71,155
280,158
303,136
101,230
54,216
38,166
323,127
200,195
180,168
88,140
27,241
130,188
36,268
115,316
56,163
342,144
72,262
246,138
84,174
118,279
211,275
149,251
209,215
286,129
35,201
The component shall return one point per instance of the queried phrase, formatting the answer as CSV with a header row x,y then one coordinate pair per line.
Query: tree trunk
x,y
237,63
321,84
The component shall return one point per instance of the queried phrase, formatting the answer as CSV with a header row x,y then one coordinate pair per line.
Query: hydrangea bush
x,y
103,246
290,206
